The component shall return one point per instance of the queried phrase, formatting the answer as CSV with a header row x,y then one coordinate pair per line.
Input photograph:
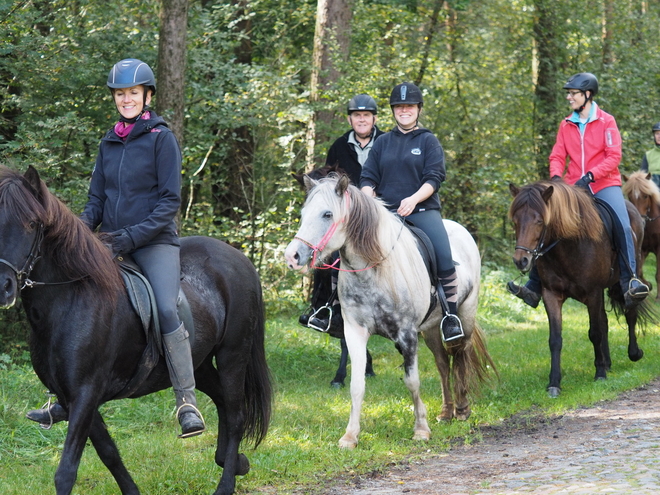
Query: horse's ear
x,y
32,178
547,193
513,189
625,177
298,177
648,176
308,182
342,185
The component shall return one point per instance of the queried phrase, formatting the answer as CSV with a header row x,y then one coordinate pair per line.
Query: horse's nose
x,y
8,293
523,264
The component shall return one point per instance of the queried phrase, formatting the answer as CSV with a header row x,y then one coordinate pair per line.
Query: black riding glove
x,y
121,242
555,178
584,182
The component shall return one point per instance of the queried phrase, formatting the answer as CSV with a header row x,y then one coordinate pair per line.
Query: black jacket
x,y
343,153
136,184
399,164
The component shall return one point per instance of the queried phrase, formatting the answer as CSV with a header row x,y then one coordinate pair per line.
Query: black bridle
x,y
23,275
540,249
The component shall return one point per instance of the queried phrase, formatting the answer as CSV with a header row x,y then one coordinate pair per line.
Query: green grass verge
x,y
300,451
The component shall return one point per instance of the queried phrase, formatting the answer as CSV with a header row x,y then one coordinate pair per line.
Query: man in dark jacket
x,y
350,150
348,153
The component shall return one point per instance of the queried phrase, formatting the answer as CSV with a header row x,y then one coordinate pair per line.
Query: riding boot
x,y
182,374
451,324
530,293
48,415
635,292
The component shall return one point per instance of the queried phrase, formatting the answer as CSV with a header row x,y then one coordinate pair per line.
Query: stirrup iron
x,y
318,328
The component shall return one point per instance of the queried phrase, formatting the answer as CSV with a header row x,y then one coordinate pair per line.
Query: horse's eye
x,y
327,214
32,225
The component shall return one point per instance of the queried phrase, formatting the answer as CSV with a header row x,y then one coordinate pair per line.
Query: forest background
x,y
257,89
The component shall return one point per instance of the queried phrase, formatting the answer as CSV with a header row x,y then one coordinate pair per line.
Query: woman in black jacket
x,y
134,196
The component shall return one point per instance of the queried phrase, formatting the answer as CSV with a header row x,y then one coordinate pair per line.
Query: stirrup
x,y
460,326
312,318
199,415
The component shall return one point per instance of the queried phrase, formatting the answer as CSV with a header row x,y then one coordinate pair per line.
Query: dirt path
x,y
613,447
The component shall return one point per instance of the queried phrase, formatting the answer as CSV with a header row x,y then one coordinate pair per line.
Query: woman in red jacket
x,y
590,139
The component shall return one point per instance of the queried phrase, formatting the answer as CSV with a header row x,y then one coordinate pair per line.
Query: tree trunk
x,y
172,64
548,54
331,44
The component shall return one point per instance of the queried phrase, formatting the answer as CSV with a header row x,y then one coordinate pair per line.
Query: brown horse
x,y
645,195
559,229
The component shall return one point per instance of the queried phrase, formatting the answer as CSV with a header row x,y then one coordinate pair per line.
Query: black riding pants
x,y
430,221
161,265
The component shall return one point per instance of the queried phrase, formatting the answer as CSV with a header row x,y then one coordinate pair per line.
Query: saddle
x,y
142,299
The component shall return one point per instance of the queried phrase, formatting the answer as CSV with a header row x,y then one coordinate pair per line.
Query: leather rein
x,y
540,249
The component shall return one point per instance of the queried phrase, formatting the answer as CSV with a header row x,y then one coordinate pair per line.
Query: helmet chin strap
x,y
586,100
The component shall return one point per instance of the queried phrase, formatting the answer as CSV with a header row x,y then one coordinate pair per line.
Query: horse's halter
x,y
539,250
316,249
22,275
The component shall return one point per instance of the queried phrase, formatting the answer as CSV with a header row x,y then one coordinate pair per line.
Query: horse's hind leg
x,y
434,343
109,455
411,379
598,335
635,353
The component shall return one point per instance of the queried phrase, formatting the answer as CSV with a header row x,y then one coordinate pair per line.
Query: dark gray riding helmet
x,y
406,93
131,72
362,103
584,81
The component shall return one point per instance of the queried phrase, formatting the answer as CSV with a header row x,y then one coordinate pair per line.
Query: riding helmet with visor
x,y
362,103
131,72
406,94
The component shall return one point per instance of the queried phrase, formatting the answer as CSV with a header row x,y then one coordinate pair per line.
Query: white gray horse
x,y
385,289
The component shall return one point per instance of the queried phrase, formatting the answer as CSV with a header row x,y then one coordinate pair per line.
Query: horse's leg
x,y
434,343
338,380
635,353
207,379
356,340
81,414
553,306
109,455
370,365
408,346
657,272
598,334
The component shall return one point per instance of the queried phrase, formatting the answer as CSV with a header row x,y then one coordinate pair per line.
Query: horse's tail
x,y
479,366
258,386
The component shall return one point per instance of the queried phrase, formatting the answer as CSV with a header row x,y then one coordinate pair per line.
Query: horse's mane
x,y
380,239
67,240
639,185
569,213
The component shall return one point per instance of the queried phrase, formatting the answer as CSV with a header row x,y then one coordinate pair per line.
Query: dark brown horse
x,y
642,192
87,341
559,229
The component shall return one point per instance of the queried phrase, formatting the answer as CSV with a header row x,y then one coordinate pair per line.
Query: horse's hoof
x,y
347,443
369,374
423,435
463,413
446,414
243,465
336,384
636,356
600,379
553,392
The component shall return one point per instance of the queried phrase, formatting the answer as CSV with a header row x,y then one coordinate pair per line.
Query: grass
x,y
300,451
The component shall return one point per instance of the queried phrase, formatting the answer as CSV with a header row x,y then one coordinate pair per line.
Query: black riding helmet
x,y
584,81
406,93
131,72
656,127
362,103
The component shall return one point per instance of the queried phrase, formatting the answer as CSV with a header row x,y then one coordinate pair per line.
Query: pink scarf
x,y
122,129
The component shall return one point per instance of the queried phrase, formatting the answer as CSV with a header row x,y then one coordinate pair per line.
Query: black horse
x,y
322,294
86,340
